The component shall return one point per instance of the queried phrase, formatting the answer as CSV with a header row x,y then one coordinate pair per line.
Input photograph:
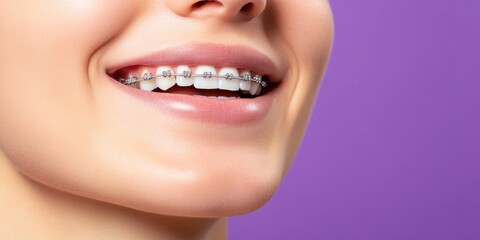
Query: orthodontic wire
x,y
188,74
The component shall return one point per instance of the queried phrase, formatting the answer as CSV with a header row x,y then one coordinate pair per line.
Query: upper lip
x,y
207,54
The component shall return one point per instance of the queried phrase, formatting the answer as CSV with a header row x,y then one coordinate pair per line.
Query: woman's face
x,y
68,123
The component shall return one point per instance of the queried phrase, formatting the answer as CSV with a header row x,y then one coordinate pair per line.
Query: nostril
x,y
247,8
204,3
244,10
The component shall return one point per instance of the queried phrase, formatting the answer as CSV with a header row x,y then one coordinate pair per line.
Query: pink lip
x,y
230,111
207,54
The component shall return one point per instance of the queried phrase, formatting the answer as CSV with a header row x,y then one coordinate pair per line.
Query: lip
x,y
228,111
207,54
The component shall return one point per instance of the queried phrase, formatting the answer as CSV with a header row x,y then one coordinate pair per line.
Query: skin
x,y
80,160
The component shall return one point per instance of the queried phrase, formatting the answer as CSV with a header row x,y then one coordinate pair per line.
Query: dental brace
x,y
188,74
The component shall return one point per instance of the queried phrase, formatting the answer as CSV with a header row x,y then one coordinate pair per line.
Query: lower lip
x,y
219,111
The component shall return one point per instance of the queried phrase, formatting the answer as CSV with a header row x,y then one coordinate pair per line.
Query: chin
x,y
197,168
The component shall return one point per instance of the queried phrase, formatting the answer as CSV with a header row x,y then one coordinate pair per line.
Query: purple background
x,y
392,150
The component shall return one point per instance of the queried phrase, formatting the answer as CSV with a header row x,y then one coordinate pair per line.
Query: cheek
x,y
306,29
45,52
47,49
69,27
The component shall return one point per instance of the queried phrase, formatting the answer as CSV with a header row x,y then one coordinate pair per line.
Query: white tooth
x,y
205,83
245,72
260,88
245,85
255,90
223,97
148,85
183,81
164,83
229,84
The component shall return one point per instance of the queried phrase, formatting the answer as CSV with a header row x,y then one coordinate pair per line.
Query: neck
x,y
51,214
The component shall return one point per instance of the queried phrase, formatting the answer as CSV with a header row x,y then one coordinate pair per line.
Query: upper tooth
x,y
147,85
208,82
204,77
255,90
181,80
165,80
229,84
246,85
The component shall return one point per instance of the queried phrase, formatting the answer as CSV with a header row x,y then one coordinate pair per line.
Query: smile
x,y
217,84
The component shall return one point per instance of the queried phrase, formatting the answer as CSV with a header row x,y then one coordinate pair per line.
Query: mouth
x,y
211,82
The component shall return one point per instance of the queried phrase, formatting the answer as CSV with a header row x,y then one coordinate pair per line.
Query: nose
x,y
224,9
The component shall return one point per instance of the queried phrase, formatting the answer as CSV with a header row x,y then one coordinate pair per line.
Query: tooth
x,y
245,85
255,90
136,85
183,81
165,80
148,85
229,84
205,83
260,88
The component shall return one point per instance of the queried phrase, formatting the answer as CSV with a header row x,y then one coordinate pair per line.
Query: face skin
x,y
66,125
